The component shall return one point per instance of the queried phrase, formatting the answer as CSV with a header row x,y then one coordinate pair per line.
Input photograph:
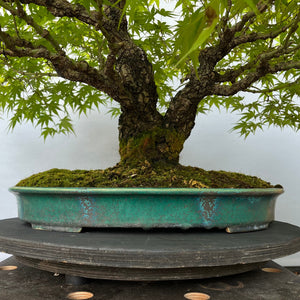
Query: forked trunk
x,y
144,133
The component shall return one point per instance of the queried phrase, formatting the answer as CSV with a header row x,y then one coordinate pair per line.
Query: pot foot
x,y
246,228
55,228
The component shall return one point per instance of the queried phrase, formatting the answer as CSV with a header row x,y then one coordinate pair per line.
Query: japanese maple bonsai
x,y
160,65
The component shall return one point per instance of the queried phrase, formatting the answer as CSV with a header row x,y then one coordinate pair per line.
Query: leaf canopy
x,y
262,57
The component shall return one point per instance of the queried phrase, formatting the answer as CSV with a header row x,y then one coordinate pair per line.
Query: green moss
x,y
144,175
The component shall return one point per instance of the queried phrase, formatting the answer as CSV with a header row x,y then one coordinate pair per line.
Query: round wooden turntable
x,y
131,254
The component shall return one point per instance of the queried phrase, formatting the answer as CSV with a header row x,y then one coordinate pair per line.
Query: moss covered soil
x,y
144,175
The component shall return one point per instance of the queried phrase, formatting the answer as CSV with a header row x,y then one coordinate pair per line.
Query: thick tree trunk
x,y
145,138
143,134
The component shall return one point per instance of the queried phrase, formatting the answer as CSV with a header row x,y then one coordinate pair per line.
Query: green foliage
x,y
172,33
33,95
195,28
30,88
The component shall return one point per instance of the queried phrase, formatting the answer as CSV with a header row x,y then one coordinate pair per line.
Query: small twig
x,y
282,86
6,62
225,19
19,12
293,29
16,28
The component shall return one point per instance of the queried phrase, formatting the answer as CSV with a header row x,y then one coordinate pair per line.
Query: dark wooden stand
x,y
147,255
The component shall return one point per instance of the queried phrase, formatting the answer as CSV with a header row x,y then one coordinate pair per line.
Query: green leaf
x,y
201,39
252,4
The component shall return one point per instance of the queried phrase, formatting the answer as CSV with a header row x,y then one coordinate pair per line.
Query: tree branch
x,y
17,47
36,74
106,19
252,37
261,7
246,82
182,110
293,29
65,67
20,13
229,32
228,41
127,75
63,8
183,106
277,88
284,66
225,19
13,42
232,74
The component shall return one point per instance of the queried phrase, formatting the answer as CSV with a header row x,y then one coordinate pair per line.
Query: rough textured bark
x,y
142,131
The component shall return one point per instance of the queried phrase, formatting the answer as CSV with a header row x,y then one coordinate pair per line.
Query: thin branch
x,y
232,74
99,19
275,89
252,37
261,7
63,8
65,67
20,13
38,52
12,42
282,50
16,27
293,29
225,19
101,23
100,58
44,33
35,74
100,7
284,66
246,82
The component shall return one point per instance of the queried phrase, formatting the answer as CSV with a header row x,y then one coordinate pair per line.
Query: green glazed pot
x,y
71,209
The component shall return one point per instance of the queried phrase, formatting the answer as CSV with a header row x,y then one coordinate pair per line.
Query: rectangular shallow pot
x,y
70,209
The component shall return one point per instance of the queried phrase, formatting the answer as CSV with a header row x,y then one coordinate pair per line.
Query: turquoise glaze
x,y
70,209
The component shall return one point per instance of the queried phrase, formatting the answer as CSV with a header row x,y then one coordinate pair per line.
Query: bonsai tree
x,y
157,65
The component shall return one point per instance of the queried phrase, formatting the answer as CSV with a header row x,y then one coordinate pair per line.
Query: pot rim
x,y
144,191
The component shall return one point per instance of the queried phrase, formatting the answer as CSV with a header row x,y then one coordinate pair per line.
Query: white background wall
x,y
272,155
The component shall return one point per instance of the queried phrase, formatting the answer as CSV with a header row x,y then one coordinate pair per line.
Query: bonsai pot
x,y
71,209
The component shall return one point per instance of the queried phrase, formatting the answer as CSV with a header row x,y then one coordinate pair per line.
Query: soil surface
x,y
144,175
